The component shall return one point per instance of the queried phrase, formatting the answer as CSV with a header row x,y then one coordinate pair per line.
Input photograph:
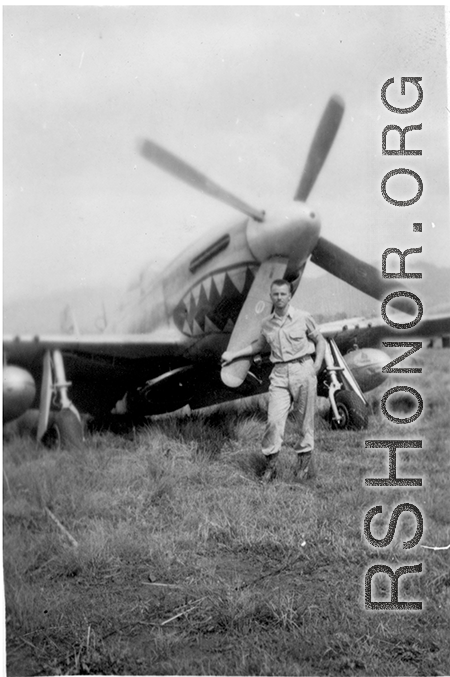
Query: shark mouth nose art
x,y
213,305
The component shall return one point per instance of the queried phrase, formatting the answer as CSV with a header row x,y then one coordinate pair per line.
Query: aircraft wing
x,y
368,332
160,343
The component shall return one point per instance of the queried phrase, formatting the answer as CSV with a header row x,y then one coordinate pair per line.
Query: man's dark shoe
x,y
271,468
304,469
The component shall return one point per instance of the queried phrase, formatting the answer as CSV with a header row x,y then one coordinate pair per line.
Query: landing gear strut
x,y
63,427
349,407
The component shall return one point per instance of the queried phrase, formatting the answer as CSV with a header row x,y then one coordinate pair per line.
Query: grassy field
x,y
184,564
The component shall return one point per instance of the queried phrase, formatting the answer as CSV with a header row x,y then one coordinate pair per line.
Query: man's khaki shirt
x,y
290,337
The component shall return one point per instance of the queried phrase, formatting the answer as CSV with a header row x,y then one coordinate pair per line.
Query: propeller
x,y
355,272
248,324
320,146
174,165
328,256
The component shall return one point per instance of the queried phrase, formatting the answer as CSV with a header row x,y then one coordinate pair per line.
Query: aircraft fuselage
x,y
202,291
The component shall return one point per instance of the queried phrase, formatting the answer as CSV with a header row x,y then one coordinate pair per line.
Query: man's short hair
x,y
281,283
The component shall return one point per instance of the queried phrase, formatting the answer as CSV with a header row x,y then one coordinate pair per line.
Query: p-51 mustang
x,y
163,350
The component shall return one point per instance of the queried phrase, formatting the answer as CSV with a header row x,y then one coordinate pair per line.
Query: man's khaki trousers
x,y
291,384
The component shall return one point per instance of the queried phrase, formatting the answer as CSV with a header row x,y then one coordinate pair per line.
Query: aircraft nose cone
x,y
290,231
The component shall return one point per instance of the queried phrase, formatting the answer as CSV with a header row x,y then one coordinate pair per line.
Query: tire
x,y
64,431
354,413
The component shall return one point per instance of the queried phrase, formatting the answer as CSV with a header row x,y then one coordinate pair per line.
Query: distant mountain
x,y
50,314
325,297
328,298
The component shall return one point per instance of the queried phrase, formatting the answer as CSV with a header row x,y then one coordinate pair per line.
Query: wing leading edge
x,y
368,332
160,343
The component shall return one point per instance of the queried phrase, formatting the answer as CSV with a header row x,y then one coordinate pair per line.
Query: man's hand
x,y
227,357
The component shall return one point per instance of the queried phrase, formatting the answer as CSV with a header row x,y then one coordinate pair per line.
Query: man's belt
x,y
297,359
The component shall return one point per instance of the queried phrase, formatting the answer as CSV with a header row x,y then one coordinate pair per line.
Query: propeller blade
x,y
356,272
174,165
320,147
256,306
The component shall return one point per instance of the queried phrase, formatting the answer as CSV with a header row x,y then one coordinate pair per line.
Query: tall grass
x,y
186,564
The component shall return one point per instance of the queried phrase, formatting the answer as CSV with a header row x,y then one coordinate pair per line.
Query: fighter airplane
x,y
163,349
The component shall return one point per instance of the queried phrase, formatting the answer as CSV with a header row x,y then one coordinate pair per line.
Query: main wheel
x,y
353,411
64,431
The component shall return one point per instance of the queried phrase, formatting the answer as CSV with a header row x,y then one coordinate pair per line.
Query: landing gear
x,y
61,428
353,414
349,409
64,431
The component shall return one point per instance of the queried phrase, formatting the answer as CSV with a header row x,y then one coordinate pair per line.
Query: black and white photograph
x,y
226,340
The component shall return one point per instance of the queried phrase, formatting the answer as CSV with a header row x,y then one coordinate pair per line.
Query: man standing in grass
x,y
293,338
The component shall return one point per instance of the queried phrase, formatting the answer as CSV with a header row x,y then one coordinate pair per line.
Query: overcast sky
x,y
236,91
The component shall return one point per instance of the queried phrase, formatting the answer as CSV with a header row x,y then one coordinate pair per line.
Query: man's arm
x,y
254,348
320,351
